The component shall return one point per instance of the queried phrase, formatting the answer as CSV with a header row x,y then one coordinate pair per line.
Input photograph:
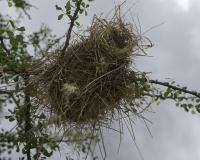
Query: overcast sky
x,y
175,54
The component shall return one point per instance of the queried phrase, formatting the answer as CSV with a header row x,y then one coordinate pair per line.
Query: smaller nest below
x,y
89,82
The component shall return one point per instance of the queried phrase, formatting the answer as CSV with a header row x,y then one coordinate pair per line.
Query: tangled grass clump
x,y
87,86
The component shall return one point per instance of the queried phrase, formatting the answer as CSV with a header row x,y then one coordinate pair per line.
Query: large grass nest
x,y
88,84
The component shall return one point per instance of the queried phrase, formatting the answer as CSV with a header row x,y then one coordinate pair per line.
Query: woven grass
x,y
88,85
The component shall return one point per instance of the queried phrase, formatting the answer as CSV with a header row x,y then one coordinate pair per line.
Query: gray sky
x,y
175,55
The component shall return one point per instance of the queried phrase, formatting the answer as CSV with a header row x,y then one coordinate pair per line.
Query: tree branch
x,y
175,88
70,28
28,107
3,45
162,97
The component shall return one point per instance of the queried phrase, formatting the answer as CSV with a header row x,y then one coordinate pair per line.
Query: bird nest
x,y
88,84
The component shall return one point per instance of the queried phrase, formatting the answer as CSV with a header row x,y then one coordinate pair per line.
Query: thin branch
x,y
29,17
28,107
9,139
168,97
175,88
70,28
4,46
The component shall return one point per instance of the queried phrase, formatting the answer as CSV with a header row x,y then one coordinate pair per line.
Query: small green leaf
x,y
83,4
133,75
78,24
70,16
9,110
81,11
12,41
10,4
198,100
137,91
58,8
10,33
60,16
87,5
1,32
21,28
169,90
68,6
17,150
7,117
86,13
23,151
184,88
20,37
166,94
11,119
128,82
90,0
46,153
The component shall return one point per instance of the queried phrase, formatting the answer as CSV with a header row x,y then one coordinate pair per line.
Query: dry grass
x,y
87,87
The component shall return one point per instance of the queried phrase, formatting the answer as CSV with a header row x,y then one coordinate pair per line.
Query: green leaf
x,y
1,32
87,5
90,0
137,91
133,76
70,16
78,24
21,28
17,150
68,6
128,82
86,13
58,8
83,4
7,117
198,100
184,88
20,37
9,110
166,94
81,11
10,4
169,90
12,41
46,153
10,33
23,151
60,16
11,119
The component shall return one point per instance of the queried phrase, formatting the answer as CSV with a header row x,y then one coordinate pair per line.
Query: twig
x,y
70,28
175,88
168,97
28,107
29,17
4,46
